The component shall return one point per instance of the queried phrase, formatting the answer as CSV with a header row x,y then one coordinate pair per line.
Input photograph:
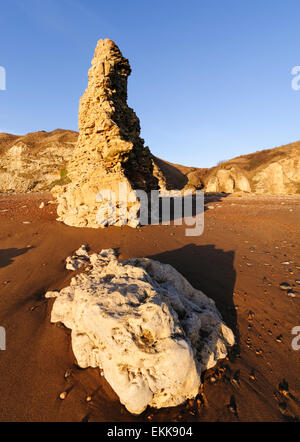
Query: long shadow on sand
x,y
7,255
210,270
185,206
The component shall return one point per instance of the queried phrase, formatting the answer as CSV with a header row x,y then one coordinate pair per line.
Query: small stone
x,y
69,371
282,407
251,315
42,205
252,376
291,294
88,398
236,378
63,395
232,405
284,387
285,286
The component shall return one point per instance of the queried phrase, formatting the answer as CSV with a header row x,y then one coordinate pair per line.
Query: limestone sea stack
x,y
109,150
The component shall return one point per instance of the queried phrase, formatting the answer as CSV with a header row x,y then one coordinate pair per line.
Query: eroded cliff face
x,y
273,171
36,161
109,150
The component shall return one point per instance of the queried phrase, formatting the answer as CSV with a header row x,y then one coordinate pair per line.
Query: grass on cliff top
x,y
62,181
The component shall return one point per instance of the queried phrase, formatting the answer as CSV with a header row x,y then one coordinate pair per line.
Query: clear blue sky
x,y
211,78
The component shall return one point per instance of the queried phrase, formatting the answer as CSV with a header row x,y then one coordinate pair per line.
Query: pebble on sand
x,y
285,286
63,395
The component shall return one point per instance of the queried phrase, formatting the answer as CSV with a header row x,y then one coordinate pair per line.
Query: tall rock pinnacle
x,y
109,148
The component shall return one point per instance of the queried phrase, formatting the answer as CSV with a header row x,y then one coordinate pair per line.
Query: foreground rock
x,y
109,150
145,326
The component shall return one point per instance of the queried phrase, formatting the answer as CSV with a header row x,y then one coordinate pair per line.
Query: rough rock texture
x,y
79,259
109,148
145,326
228,181
36,161
273,171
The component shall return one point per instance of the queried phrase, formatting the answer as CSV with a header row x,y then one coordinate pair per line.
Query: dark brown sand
x,y
237,262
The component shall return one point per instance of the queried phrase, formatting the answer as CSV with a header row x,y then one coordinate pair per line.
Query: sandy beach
x,y
240,261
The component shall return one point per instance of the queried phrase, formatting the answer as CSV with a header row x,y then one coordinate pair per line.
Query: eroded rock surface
x,y
35,162
267,172
109,150
145,326
79,259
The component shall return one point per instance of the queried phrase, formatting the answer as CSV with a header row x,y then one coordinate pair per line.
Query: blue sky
x,y
211,78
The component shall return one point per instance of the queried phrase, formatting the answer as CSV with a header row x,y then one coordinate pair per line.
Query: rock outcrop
x,y
228,180
144,325
109,150
272,172
35,162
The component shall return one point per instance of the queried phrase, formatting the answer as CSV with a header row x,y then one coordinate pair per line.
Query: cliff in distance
x,y
38,161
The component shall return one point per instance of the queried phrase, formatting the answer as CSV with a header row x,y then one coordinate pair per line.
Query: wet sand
x,y
237,262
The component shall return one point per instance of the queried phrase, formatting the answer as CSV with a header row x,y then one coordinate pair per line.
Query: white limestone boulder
x,y
145,326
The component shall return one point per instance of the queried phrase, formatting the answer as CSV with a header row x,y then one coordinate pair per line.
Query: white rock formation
x,y
228,181
145,326
78,260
